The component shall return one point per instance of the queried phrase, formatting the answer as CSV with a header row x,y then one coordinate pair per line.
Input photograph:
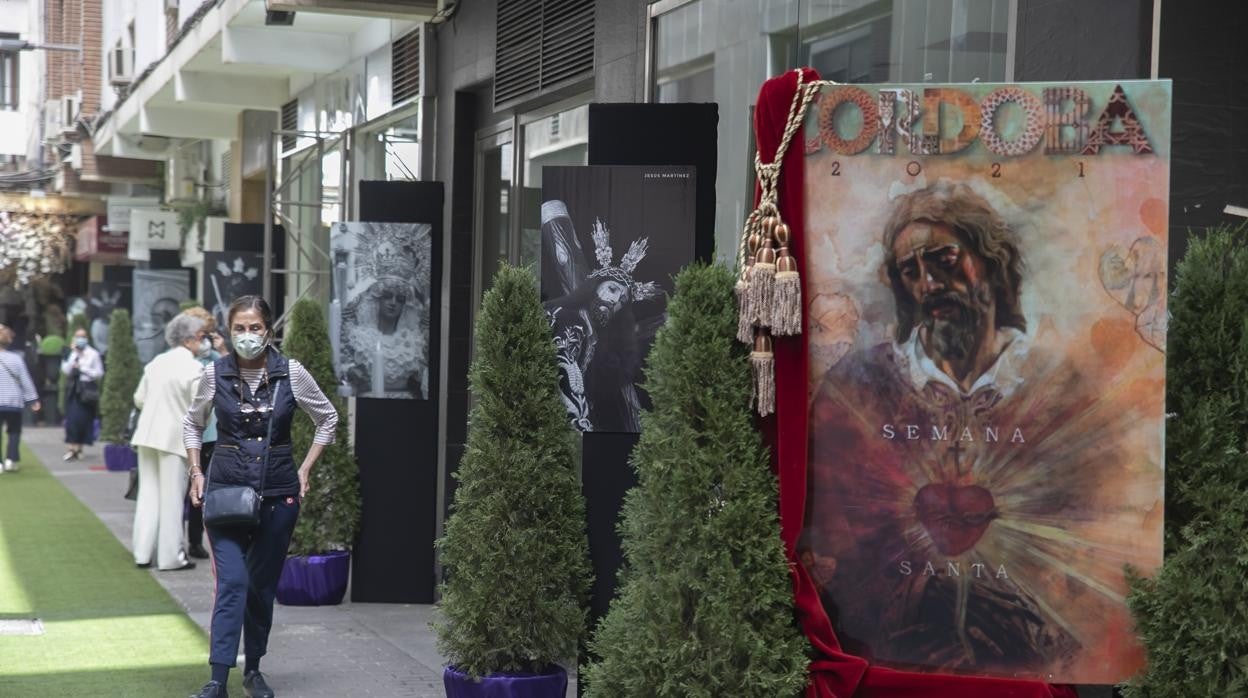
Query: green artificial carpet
x,y
109,628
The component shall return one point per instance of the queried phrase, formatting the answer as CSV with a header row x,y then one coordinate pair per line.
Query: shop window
x,y
713,51
696,84
561,138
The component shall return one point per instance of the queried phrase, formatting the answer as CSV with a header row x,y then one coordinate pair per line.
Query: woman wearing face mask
x,y
164,394
207,355
253,393
83,370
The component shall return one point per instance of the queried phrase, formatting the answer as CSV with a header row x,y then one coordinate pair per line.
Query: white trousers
x,y
158,511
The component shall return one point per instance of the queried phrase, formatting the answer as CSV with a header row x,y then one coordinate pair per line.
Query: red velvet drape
x,y
834,674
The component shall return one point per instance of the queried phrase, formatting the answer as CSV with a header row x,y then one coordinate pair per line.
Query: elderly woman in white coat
x,y
163,397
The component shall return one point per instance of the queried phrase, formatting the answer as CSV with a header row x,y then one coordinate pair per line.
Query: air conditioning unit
x,y
121,65
75,157
70,106
51,119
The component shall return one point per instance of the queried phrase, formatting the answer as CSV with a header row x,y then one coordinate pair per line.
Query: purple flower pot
x,y
314,580
120,457
553,683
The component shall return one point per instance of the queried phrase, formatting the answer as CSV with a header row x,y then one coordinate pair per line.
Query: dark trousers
x,y
247,562
12,421
79,422
195,515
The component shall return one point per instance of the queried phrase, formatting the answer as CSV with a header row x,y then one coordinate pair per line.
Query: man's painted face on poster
x,y
948,284
609,299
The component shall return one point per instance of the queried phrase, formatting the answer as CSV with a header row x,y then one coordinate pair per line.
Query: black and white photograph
x,y
229,275
158,296
380,309
613,238
103,297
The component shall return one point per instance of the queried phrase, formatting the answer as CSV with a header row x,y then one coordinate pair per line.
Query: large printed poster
x,y
613,238
987,308
158,295
228,276
379,314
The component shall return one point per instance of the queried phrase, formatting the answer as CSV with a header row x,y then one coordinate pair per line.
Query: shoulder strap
x,y
11,372
268,440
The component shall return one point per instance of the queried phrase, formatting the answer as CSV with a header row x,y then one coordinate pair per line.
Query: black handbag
x,y
239,505
132,423
88,392
132,491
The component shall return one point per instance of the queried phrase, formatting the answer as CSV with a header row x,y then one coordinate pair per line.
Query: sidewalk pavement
x,y
314,652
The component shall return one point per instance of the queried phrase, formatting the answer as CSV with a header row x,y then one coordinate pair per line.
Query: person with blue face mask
x,y
84,371
254,393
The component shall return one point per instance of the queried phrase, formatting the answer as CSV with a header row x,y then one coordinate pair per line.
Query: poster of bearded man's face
x,y
612,239
986,345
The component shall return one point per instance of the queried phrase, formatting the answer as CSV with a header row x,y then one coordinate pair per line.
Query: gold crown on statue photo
x,y
638,290
389,262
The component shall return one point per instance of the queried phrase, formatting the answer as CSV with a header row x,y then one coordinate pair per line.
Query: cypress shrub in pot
x,y
318,567
516,555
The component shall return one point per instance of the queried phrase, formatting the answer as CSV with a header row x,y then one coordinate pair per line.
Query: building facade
x,y
271,113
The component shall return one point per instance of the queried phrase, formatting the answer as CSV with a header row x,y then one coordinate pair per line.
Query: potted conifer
x,y
319,565
1191,615
515,551
117,393
705,597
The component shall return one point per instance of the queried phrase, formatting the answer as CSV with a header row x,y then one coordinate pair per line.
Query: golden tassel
x,y
786,310
763,276
763,365
751,240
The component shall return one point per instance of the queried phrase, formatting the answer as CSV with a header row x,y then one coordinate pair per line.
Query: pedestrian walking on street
x,y
164,394
253,392
83,369
195,517
17,390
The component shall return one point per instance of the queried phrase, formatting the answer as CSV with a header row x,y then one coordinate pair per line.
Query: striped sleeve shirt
x,y
16,387
307,393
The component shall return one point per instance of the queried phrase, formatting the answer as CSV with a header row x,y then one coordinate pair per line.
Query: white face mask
x,y
205,349
249,345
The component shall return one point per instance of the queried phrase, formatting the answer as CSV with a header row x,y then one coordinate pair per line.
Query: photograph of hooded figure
x,y
636,224
381,302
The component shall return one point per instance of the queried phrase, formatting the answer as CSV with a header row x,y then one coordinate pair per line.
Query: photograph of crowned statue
x,y
380,309
636,225
969,472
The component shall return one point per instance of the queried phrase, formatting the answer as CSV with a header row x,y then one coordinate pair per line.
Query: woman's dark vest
x,y
242,435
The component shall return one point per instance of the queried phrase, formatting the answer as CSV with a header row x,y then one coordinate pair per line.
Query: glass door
x,y
492,234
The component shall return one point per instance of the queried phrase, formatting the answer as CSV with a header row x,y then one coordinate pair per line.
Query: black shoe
x,y
212,689
143,565
255,687
197,551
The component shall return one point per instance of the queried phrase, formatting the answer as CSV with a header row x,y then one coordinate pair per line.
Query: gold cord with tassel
x,y
769,288
763,365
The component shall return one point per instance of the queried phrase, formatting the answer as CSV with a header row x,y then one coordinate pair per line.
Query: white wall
x,y
16,17
149,33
